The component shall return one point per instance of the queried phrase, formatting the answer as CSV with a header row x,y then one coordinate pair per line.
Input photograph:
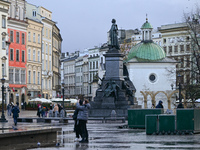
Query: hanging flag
x,y
13,89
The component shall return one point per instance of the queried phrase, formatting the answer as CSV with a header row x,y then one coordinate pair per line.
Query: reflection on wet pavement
x,y
108,136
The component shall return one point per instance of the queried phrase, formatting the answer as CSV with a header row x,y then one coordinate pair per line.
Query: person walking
x,y
39,111
160,104
51,111
77,128
82,119
15,111
56,109
9,108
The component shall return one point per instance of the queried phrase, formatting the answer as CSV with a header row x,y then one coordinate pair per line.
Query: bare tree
x,y
193,22
192,87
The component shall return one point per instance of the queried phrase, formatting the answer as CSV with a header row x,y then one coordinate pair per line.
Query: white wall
x,y
139,74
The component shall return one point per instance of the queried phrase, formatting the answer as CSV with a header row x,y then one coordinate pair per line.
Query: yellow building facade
x,y
47,73
56,82
34,59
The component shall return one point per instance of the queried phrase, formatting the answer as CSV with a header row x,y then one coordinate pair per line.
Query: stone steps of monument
x,y
135,106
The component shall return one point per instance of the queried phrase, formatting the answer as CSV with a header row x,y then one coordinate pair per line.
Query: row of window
x,y
46,84
33,76
176,47
17,76
47,48
176,39
43,65
17,37
184,61
17,55
48,33
34,55
94,65
34,38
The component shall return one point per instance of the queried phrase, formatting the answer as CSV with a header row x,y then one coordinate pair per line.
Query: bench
x,y
115,119
45,120
65,119
25,119
61,120
97,118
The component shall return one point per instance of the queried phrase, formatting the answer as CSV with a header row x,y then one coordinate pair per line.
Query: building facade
x,y
17,30
47,73
69,76
34,59
56,56
4,73
148,67
176,44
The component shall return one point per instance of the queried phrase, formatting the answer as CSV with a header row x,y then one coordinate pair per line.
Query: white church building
x,y
151,72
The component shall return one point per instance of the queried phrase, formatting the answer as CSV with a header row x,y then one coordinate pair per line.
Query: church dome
x,y
146,50
149,51
147,25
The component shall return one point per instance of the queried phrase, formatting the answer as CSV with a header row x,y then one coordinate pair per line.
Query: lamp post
x,y
63,91
179,88
3,119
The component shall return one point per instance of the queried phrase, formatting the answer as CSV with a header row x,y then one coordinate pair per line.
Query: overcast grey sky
x,y
84,23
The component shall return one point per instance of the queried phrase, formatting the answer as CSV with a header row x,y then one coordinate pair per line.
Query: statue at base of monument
x,y
111,89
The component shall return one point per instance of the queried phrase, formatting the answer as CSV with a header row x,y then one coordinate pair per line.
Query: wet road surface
x,y
108,136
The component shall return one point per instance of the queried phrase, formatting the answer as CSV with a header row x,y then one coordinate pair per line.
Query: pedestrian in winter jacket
x,y
77,127
15,111
82,119
159,104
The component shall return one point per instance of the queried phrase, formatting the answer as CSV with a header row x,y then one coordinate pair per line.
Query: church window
x,y
152,77
164,40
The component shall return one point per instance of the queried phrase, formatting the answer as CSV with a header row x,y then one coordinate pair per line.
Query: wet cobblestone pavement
x,y
108,136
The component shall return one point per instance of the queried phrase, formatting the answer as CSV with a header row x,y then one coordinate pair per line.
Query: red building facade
x,y
17,55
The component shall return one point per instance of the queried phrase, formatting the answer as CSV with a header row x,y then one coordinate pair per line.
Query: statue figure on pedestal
x,y
113,33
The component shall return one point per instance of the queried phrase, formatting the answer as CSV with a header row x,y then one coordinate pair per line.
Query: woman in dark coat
x,y
77,128
82,119
15,111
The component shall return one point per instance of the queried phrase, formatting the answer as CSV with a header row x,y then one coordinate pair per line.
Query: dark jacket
x,y
75,114
180,105
83,111
159,105
15,111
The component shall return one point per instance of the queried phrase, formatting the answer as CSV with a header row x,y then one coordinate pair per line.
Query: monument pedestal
x,y
116,87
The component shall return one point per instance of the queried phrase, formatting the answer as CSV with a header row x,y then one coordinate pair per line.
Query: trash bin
x,y
151,124
136,117
188,120
166,124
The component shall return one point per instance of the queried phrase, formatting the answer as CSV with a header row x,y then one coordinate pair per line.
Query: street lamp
x,y
3,119
179,87
63,91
